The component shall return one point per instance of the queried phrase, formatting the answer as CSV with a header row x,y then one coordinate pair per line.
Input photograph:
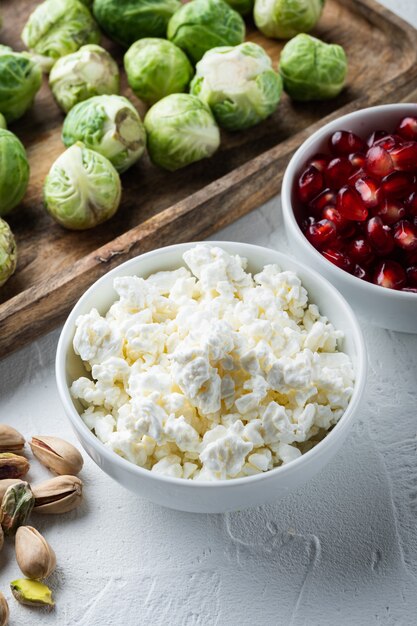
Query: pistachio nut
x,y
16,507
58,495
57,455
5,484
1,537
10,439
4,611
34,555
31,592
13,465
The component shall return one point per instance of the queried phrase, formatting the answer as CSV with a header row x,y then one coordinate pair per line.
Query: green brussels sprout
x,y
8,252
244,7
180,130
20,80
126,21
238,84
82,188
3,123
90,71
14,171
59,27
283,19
156,68
109,125
312,69
204,24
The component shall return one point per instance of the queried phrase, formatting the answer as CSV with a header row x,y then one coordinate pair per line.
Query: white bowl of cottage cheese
x,y
211,377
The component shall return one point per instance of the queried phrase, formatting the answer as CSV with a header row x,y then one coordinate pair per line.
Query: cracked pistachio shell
x,y
58,455
4,611
13,465
16,507
31,592
5,484
58,495
34,555
10,439
1,538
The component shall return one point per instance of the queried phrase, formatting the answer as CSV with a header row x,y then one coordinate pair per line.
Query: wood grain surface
x,y
158,208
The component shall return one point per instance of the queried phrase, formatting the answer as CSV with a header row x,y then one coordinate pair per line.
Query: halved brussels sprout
x,y
14,171
128,20
3,123
312,69
239,85
201,25
90,71
59,27
156,68
8,252
244,7
109,125
283,19
20,80
180,130
82,189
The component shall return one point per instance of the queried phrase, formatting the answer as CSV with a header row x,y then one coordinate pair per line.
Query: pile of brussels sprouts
x,y
188,62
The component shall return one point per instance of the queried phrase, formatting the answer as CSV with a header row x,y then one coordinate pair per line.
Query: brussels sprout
x,y
244,7
59,27
156,68
204,24
82,189
283,19
8,252
20,80
312,69
90,71
126,21
3,123
109,125
180,130
239,85
14,171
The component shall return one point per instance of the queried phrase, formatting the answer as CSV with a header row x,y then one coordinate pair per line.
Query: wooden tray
x,y
158,208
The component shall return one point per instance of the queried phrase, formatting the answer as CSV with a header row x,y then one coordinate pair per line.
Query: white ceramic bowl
x,y
208,497
396,310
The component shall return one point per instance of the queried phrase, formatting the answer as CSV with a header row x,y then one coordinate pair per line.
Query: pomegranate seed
x,y
321,233
412,275
319,161
390,211
343,142
410,257
339,258
388,142
350,205
407,128
310,184
397,184
357,159
337,172
360,251
405,157
379,162
325,198
361,272
332,214
306,222
405,235
380,236
375,136
410,289
356,176
389,274
412,203
369,191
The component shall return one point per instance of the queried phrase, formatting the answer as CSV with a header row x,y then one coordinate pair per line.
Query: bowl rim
x,y
291,171
111,456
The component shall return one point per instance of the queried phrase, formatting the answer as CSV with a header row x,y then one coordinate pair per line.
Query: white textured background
x,y
340,551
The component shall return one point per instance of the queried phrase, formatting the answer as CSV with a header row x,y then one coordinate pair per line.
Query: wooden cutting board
x,y
159,208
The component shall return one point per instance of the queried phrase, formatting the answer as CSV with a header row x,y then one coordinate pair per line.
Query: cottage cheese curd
x,y
207,372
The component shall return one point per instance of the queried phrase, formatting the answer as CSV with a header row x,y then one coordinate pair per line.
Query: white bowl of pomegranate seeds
x,y
349,199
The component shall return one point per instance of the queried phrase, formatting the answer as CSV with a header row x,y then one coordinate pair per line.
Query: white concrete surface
x,y
341,551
